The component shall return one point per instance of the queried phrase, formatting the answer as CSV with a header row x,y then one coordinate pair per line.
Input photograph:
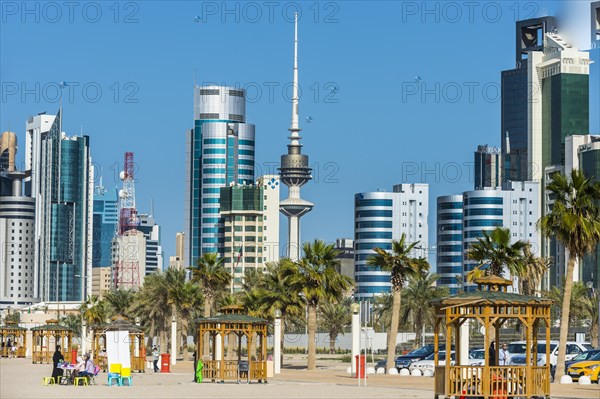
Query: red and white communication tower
x,y
127,266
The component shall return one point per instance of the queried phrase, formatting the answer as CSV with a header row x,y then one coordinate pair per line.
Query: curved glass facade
x,y
220,152
449,241
379,218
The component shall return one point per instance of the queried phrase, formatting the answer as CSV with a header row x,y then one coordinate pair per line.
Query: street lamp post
x,y
355,335
277,342
173,339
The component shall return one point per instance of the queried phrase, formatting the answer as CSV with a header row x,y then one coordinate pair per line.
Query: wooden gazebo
x,y
214,333
17,336
492,306
137,349
45,339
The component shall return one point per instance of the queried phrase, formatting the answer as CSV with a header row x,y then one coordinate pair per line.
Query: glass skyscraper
x,y
220,153
463,218
449,260
106,218
379,218
61,183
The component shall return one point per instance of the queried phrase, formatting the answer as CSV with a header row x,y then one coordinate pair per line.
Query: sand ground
x,y
21,379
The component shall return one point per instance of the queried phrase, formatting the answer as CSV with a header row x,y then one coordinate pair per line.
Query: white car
x,y
517,351
427,363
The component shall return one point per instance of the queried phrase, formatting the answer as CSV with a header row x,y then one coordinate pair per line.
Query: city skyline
x,y
445,165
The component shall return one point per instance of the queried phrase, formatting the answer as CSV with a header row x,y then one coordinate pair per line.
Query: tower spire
x,y
294,128
294,171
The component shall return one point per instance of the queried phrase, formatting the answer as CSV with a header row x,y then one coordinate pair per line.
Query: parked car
x,y
428,362
573,349
381,363
590,368
519,360
404,361
581,357
476,357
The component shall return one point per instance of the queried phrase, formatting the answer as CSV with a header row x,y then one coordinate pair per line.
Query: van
x,y
517,350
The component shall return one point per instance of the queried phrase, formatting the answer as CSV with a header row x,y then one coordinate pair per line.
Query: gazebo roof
x,y
51,325
232,314
12,325
119,323
492,298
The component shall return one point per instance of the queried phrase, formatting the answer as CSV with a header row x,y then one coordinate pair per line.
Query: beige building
x,y
8,151
251,227
177,260
129,260
101,280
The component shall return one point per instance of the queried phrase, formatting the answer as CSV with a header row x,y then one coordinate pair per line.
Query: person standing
x,y
503,356
56,359
156,355
492,354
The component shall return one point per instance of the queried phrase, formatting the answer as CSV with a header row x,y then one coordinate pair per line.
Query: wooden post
x,y
547,365
485,378
222,360
448,347
528,360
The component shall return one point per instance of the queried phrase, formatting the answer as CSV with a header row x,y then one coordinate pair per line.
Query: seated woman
x,y
79,367
89,368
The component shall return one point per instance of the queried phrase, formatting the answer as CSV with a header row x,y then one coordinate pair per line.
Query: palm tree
x,y
420,291
184,298
73,321
152,306
119,300
592,308
574,221
533,270
335,318
495,251
93,310
210,273
401,266
318,281
275,291
382,311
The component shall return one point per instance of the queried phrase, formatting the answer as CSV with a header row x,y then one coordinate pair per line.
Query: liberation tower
x,y
294,171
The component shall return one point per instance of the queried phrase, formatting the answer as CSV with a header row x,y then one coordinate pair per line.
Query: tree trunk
x,y
564,319
231,344
418,334
332,338
393,330
312,330
282,337
205,339
594,333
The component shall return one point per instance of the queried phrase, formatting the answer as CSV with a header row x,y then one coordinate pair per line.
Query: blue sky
x,y
363,68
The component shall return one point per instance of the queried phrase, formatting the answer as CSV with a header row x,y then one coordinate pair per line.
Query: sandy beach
x,y
21,379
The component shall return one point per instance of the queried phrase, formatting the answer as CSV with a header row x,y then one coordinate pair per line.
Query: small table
x,y
68,373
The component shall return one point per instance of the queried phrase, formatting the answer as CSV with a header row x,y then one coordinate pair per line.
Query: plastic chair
x,y
83,380
125,375
49,381
93,377
114,373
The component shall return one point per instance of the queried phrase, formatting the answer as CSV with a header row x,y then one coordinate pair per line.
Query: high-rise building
x,y
589,163
488,167
220,152
271,199
345,247
242,212
449,240
17,256
154,252
105,222
8,151
176,261
516,95
129,260
294,171
514,207
62,184
379,218
101,280
595,67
